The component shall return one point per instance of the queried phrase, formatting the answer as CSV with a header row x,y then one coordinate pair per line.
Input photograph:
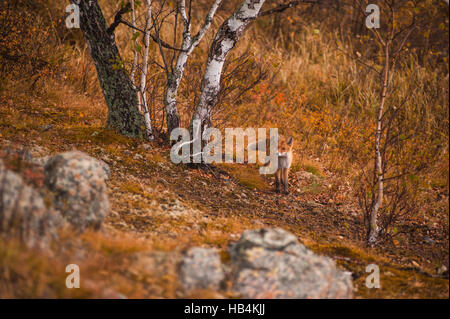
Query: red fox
x,y
284,155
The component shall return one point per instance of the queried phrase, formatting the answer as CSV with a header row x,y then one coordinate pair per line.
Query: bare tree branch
x,y
286,6
118,17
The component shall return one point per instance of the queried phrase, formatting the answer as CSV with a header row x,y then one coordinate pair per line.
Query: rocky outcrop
x,y
270,263
73,181
23,213
201,268
266,263
78,182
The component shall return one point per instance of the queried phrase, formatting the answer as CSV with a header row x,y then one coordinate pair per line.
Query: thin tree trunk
x,y
226,38
188,45
135,53
147,118
120,96
378,167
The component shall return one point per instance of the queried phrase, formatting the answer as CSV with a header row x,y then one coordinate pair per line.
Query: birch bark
x,y
226,38
135,54
373,227
147,118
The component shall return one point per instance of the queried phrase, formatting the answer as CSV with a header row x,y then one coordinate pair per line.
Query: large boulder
x,y
23,213
78,182
201,268
270,263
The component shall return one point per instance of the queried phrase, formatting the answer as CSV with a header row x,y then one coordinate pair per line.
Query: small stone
x,y
442,270
44,128
109,293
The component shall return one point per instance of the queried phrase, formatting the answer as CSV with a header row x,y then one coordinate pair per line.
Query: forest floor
x,y
159,209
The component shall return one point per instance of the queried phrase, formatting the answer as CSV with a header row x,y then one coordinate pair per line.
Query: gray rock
x,y
109,293
78,182
45,128
18,152
270,263
41,161
442,271
201,268
106,169
146,147
23,213
33,155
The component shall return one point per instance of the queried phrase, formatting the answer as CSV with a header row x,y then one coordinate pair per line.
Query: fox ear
x,y
290,140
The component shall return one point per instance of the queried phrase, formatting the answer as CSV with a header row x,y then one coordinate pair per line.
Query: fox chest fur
x,y
284,160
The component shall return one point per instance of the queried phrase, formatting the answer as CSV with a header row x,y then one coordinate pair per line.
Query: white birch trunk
x,y
226,38
378,167
147,119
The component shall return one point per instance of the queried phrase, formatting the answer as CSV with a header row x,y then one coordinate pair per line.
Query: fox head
x,y
285,145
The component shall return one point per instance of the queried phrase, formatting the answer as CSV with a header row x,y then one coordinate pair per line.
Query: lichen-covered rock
x,y
78,182
41,161
16,152
201,268
106,168
270,263
23,213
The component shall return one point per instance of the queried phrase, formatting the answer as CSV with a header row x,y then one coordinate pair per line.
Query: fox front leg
x,y
277,182
286,187
285,180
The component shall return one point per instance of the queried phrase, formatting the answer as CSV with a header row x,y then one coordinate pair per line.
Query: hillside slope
x,y
159,209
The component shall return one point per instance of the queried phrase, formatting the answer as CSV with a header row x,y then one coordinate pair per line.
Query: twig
x,y
286,6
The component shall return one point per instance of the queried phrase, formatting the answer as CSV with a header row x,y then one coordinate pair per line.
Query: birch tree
x,y
142,87
226,38
390,41
174,73
135,50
